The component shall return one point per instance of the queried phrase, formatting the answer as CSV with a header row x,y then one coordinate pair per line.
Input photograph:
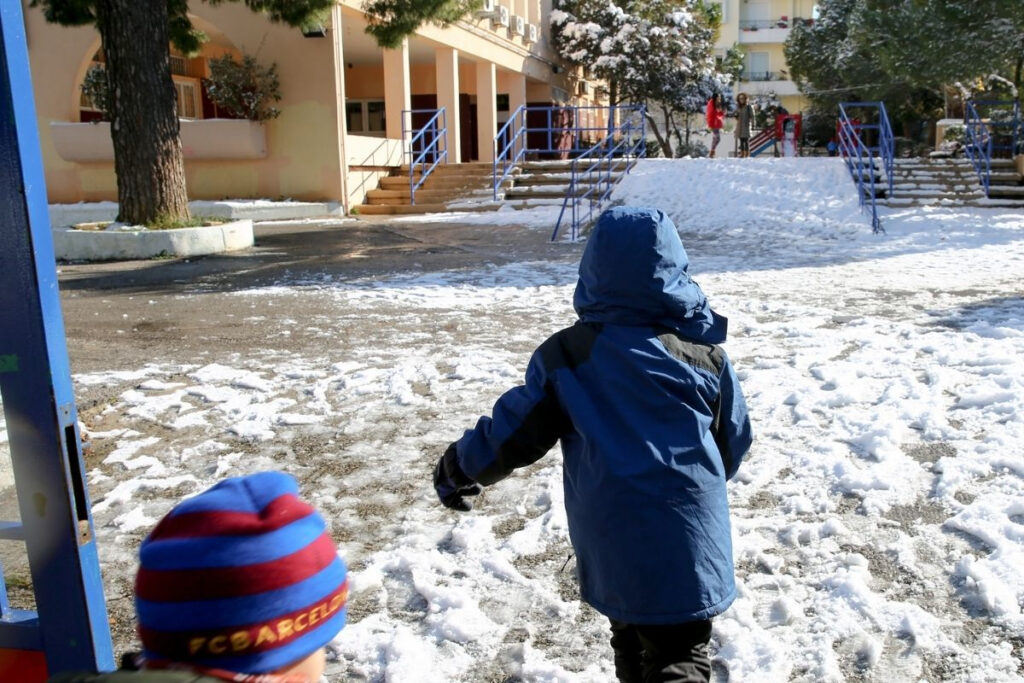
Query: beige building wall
x,y
760,28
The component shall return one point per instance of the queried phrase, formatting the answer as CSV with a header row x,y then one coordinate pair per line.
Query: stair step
x,y
410,209
1016,191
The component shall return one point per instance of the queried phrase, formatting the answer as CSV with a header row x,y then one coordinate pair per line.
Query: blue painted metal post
x,y
70,624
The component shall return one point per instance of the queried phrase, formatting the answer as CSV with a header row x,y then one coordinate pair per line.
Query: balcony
x,y
778,81
768,31
223,139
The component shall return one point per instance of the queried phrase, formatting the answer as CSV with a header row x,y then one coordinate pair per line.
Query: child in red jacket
x,y
715,117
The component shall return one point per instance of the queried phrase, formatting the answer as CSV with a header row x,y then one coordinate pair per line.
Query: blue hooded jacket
x,y
651,420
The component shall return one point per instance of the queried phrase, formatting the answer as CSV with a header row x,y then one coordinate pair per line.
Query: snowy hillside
x,y
878,520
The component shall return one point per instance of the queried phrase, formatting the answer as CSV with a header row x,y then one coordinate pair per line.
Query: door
x,y
757,67
757,14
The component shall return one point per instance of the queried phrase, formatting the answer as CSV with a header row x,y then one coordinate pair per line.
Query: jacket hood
x,y
634,272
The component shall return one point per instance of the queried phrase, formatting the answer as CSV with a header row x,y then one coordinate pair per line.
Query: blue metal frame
x,y
70,622
985,138
428,139
591,172
560,133
860,157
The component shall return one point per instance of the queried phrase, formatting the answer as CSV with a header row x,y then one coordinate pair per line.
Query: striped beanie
x,y
242,577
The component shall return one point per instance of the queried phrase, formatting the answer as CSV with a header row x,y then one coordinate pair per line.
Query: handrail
x,y
887,144
546,131
599,160
860,158
430,137
514,150
978,147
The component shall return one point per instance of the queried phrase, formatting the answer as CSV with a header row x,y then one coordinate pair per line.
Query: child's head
x,y
719,100
242,577
634,271
741,99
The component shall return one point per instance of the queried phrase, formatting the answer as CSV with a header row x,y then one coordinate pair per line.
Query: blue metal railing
x,y
68,630
993,129
549,132
860,156
978,144
425,148
592,178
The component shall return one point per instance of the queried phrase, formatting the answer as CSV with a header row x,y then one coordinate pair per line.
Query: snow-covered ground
x,y
878,520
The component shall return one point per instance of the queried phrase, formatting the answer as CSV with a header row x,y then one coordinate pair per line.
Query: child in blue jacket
x,y
652,423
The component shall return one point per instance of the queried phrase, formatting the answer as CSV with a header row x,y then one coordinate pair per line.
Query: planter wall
x,y
120,245
224,139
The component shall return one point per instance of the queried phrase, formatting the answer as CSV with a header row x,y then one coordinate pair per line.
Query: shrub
x,y
652,150
695,148
96,90
244,89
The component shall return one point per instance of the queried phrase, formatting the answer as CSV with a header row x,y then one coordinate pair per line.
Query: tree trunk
x,y
666,147
144,124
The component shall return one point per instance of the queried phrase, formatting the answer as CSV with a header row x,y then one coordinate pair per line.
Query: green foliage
x,y
955,134
390,21
97,90
904,52
244,89
183,34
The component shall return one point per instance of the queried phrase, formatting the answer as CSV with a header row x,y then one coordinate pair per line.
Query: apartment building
x,y
345,105
760,28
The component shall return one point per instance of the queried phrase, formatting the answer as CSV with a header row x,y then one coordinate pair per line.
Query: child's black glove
x,y
452,484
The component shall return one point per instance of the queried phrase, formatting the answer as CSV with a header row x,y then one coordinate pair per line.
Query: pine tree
x,y
654,52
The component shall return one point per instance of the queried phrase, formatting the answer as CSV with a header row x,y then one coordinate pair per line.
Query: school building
x,y
760,28
344,106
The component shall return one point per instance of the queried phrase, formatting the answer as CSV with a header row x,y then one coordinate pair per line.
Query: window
x,y
179,65
188,98
366,117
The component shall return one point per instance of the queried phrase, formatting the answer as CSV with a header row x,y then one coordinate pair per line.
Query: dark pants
x,y
744,144
675,653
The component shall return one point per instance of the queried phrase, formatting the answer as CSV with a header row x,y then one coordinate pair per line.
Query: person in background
x,y
715,118
744,118
652,424
239,583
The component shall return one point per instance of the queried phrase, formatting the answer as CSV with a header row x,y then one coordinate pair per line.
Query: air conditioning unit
x,y
486,9
500,16
582,88
519,26
532,33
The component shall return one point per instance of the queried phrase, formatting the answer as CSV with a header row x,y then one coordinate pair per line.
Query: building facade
x,y
345,103
760,28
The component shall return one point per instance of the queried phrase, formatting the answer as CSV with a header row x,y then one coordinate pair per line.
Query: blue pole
x,y
35,382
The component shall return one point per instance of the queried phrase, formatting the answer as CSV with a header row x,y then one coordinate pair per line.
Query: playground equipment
x,y
863,146
782,136
68,629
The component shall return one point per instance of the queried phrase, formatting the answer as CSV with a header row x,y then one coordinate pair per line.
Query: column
x,y
446,61
339,96
486,109
516,91
397,91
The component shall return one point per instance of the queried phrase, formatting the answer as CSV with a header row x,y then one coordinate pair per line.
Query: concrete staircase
x,y
451,187
539,183
468,187
951,182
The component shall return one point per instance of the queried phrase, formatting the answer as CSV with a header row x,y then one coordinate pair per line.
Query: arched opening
x,y
190,73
